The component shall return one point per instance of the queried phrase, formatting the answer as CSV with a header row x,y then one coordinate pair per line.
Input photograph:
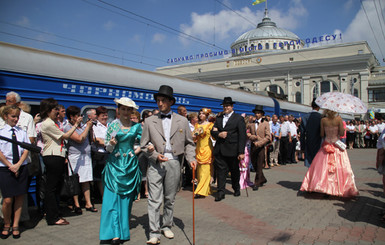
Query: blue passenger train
x,y
37,74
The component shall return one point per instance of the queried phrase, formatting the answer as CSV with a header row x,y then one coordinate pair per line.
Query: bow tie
x,y
165,116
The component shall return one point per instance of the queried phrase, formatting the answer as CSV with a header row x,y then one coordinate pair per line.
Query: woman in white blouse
x,y
54,158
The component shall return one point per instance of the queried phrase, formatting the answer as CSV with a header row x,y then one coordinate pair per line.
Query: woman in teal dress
x,y
121,175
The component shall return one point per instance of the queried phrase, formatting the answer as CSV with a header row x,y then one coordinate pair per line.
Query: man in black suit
x,y
310,134
229,131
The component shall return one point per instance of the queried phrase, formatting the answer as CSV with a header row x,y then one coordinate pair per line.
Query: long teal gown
x,y
121,178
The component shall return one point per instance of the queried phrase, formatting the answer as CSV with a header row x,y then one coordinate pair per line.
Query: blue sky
x,y
145,34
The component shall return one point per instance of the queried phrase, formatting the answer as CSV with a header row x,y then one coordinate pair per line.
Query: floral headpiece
x,y
206,111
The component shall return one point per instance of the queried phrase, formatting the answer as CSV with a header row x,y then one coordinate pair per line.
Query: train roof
x,y
27,60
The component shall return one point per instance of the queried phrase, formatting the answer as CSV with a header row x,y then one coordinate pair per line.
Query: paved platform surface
x,y
274,214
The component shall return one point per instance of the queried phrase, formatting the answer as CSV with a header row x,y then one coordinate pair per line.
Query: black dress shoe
x,y
255,188
115,241
237,193
78,210
219,197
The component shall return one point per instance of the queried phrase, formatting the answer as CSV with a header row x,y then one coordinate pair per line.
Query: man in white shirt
x,y
381,126
285,138
373,129
292,140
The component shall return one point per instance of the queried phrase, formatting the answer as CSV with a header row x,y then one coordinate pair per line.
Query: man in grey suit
x,y
171,136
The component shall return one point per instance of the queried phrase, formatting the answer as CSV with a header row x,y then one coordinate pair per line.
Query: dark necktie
x,y
165,116
15,148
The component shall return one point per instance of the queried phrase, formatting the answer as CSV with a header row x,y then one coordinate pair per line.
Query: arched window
x,y
267,46
260,46
298,97
355,92
275,89
324,87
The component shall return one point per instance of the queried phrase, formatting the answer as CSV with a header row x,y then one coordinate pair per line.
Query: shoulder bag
x,y
71,186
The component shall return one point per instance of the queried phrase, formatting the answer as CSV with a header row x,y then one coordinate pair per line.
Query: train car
x,y
37,74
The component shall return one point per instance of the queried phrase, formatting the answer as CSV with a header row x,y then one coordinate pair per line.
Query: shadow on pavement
x,y
374,185
135,221
290,185
282,237
362,209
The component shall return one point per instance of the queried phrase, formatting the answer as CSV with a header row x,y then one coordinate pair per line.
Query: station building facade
x,y
273,61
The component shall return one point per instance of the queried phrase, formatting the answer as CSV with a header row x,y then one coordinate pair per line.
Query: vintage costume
x,y
330,171
121,179
204,157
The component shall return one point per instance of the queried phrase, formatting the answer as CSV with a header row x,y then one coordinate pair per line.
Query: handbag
x,y
340,145
71,186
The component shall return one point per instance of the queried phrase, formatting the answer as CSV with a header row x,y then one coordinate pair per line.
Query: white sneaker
x,y
153,240
168,233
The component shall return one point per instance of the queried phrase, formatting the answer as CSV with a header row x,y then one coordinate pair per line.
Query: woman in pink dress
x,y
330,172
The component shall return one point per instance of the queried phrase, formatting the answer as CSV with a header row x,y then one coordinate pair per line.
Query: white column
x,y
364,83
289,88
306,90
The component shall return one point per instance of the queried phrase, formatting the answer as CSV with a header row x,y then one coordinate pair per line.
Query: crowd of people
x,y
150,155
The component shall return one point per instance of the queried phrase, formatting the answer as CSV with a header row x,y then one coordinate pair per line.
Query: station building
x,y
276,62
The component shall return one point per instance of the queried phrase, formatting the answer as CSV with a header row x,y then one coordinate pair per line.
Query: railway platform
x,y
275,214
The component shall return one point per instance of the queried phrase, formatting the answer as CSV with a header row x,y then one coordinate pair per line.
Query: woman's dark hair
x,y
145,114
101,110
72,111
46,106
313,104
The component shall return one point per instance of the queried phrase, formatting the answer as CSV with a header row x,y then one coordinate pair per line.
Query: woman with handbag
x,y
121,175
79,156
13,171
54,158
331,172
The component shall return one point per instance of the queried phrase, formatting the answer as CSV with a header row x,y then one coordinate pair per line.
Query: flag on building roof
x,y
258,2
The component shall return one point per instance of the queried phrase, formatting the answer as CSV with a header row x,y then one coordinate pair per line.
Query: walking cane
x,y
247,193
193,204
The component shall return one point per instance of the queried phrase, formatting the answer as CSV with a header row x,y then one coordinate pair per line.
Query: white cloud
x,y
109,25
348,5
137,38
360,29
227,24
24,21
158,38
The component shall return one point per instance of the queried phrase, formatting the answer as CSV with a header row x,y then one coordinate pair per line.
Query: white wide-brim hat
x,y
126,102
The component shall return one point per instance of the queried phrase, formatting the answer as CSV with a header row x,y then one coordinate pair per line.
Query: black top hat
x,y
258,108
227,101
165,91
